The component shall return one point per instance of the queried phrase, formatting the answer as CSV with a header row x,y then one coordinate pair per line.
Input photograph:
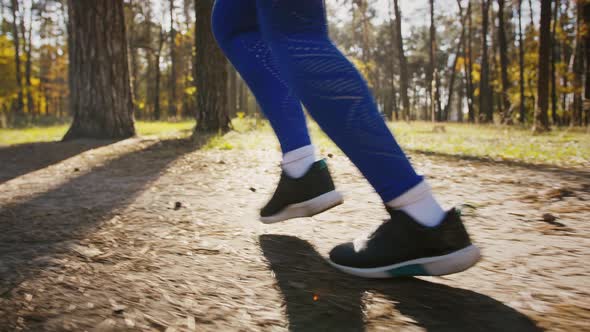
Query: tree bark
x,y
100,92
403,63
541,111
453,70
576,67
434,80
503,62
469,67
532,13
210,74
172,102
232,91
565,57
150,69
26,32
363,7
157,106
19,107
554,57
460,104
586,104
390,102
242,96
522,117
485,98
135,76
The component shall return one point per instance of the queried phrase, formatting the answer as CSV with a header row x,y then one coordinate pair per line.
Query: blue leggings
x,y
283,52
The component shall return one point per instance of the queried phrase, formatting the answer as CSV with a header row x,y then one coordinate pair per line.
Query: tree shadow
x,y
552,169
35,231
21,159
317,297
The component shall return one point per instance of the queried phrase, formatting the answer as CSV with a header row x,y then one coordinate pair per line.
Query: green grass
x,y
561,147
33,134
55,133
165,129
558,147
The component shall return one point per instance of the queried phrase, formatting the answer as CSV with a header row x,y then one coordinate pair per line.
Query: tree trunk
x,y
232,90
403,63
485,98
532,13
541,111
493,62
242,96
576,66
172,102
565,56
503,62
16,41
433,74
135,75
367,54
363,7
460,104
27,40
469,67
390,102
150,69
210,74
453,68
157,107
554,58
586,104
100,92
133,51
521,63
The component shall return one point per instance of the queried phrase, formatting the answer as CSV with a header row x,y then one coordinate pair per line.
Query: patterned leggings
x,y
282,50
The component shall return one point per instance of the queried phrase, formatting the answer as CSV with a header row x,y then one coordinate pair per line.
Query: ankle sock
x,y
420,204
297,162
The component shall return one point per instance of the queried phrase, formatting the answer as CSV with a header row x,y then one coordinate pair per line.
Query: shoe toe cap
x,y
344,254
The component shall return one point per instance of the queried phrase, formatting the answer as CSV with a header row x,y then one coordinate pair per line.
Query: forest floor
x,y
150,234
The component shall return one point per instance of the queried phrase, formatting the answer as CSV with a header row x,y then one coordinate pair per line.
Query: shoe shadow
x,y
318,297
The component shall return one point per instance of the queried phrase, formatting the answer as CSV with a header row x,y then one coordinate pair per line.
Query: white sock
x,y
420,204
297,162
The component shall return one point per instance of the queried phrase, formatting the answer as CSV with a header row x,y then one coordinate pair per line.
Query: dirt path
x,y
98,241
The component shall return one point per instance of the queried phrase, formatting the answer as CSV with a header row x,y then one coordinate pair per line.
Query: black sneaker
x,y
306,196
403,247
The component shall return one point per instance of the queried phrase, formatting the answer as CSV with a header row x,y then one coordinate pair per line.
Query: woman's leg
x,y
306,187
236,30
419,239
334,92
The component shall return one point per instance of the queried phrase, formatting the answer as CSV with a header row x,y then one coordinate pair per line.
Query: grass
x,y
560,147
53,133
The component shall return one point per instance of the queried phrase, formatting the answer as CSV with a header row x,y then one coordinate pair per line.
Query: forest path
x,y
157,235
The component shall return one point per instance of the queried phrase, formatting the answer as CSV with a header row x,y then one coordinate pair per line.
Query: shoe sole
x,y
308,208
454,262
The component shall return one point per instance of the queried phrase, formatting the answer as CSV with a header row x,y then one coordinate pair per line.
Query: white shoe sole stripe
x,y
306,209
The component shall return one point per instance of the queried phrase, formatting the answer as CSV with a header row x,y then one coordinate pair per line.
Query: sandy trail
x,y
95,240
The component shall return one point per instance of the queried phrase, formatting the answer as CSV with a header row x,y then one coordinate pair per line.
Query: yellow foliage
x,y
190,90
461,63
8,88
476,73
365,68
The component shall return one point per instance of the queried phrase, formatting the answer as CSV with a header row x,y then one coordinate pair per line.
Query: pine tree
x,y
100,92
